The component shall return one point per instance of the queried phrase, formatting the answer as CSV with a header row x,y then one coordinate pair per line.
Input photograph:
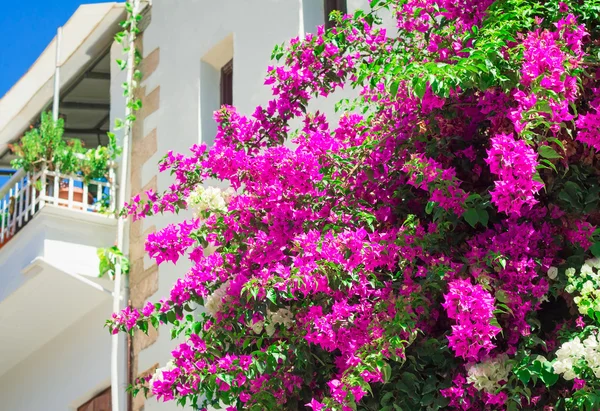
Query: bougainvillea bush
x,y
433,247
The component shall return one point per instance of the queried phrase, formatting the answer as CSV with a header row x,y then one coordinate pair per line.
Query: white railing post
x,y
16,206
44,187
20,198
34,195
84,200
56,186
70,194
27,195
9,218
3,210
112,188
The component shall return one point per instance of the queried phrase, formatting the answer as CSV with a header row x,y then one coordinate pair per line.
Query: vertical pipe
x,y
301,19
118,387
57,76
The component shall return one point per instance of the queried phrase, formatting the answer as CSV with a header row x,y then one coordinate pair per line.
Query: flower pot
x,y
6,239
63,193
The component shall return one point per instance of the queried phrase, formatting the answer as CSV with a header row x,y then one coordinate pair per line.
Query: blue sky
x,y
26,28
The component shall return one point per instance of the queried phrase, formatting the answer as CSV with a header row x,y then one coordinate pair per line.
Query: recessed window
x,y
227,83
331,5
215,86
101,402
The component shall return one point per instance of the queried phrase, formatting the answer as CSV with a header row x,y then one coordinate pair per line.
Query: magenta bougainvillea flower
x,y
427,249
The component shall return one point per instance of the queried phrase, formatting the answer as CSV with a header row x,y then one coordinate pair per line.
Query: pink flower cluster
x,y
514,162
548,60
588,125
473,310
171,242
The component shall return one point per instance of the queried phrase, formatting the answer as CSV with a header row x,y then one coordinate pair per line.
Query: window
x,y
215,86
331,5
227,83
101,402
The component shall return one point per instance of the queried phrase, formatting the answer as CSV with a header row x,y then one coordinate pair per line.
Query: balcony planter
x,y
63,193
44,148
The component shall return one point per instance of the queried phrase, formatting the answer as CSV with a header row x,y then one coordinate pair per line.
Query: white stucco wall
x,y
65,372
186,31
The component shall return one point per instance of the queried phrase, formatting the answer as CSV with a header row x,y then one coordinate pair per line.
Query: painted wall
x,y
65,372
192,36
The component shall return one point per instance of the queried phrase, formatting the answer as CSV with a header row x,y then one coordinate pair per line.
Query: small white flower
x,y
593,262
270,329
209,198
158,374
487,375
552,272
214,302
570,272
257,327
283,316
586,269
588,287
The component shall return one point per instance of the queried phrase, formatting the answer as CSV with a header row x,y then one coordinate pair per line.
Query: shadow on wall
x,y
216,85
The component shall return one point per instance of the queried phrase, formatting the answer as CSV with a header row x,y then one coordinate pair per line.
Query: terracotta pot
x,y
63,193
6,240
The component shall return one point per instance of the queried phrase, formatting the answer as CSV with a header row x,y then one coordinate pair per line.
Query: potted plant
x,y
46,146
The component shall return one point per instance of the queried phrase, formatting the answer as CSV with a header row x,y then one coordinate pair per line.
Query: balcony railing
x,y
25,194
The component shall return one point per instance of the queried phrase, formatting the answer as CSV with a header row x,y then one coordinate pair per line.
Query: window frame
x,y
227,83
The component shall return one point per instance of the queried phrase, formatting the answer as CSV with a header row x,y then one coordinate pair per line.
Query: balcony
x,y
52,226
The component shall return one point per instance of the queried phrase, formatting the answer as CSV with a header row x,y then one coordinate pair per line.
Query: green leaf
x,y
387,372
471,216
171,317
420,86
394,88
484,217
595,249
429,207
272,296
548,152
548,377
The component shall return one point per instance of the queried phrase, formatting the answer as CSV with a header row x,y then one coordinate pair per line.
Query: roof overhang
x,y
88,33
